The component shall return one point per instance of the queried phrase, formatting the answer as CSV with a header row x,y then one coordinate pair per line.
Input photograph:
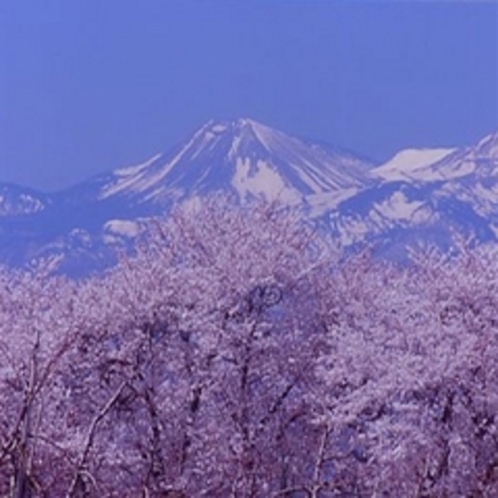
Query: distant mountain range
x,y
419,195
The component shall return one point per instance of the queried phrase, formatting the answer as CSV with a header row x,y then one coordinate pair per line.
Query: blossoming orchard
x,y
237,353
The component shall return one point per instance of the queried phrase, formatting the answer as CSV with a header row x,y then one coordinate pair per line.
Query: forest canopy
x,y
238,354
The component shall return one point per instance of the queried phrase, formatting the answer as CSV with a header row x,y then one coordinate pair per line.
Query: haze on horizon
x,y
87,86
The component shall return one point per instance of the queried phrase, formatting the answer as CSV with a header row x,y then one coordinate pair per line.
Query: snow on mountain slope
x,y
469,174
405,164
16,200
426,202
243,157
480,160
488,146
479,185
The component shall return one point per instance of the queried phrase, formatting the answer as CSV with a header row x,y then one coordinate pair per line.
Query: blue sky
x,y
90,85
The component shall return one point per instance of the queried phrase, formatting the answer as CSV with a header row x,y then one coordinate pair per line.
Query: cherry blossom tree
x,y
408,383
236,354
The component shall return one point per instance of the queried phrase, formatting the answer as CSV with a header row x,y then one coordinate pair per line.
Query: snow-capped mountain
x,y
426,195
443,164
409,164
243,157
418,195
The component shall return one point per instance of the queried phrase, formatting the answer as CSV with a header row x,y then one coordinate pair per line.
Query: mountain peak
x,y
236,130
408,162
231,124
234,127
488,145
245,157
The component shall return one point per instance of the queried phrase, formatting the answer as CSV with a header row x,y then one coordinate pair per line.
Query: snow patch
x,y
321,203
263,181
398,207
133,170
218,128
124,228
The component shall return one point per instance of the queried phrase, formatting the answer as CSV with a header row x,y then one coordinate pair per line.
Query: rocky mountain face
x,y
419,195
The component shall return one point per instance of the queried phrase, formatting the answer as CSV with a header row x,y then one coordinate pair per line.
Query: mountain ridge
x,y
416,191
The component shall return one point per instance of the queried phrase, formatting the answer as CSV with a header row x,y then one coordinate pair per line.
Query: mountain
x,y
409,164
425,196
16,200
479,161
419,195
242,158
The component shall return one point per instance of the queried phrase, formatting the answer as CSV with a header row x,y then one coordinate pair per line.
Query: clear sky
x,y
90,85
